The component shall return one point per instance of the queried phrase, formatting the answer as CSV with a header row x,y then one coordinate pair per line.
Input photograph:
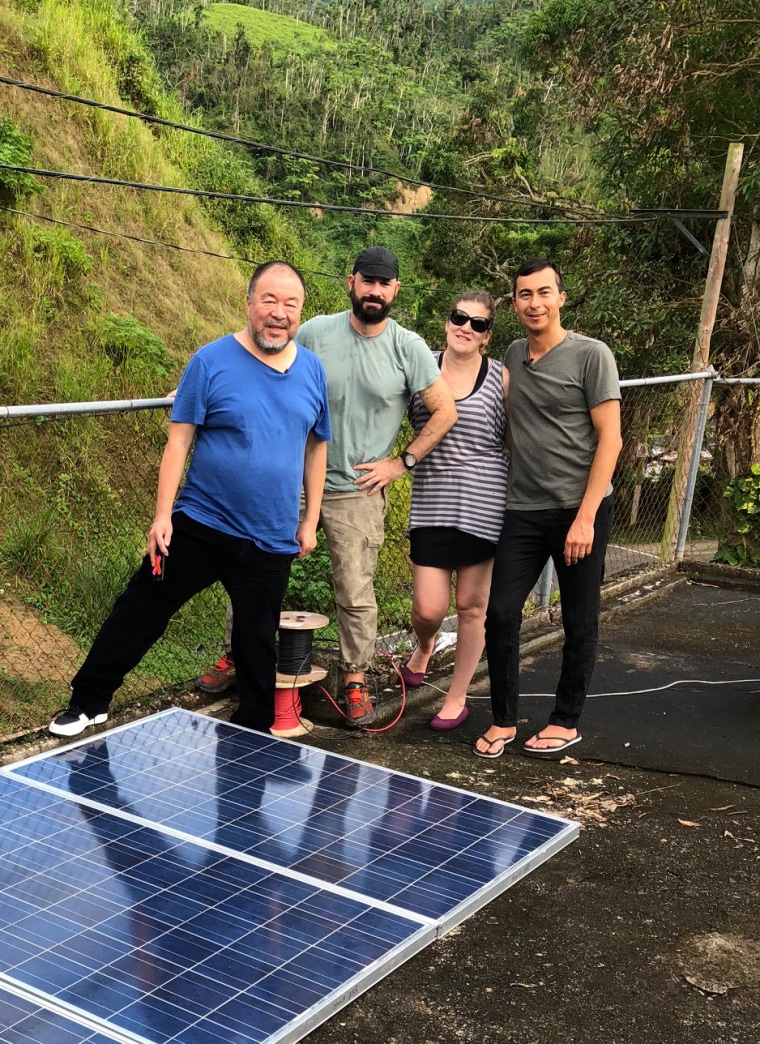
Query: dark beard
x,y
371,316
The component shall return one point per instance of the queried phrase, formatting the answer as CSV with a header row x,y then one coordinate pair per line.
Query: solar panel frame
x,y
50,1023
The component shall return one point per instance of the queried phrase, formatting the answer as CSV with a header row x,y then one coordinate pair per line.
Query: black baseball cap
x,y
377,261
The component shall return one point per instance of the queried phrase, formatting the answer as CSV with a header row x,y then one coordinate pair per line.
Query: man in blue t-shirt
x,y
254,403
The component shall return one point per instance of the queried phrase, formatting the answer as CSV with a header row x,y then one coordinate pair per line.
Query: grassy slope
x,y
280,32
76,497
185,299
166,290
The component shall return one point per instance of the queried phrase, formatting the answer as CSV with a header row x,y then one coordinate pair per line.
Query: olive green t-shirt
x,y
370,381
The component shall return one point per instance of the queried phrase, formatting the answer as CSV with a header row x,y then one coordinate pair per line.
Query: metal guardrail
x,y
77,493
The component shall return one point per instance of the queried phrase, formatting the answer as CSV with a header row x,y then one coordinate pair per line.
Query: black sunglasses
x,y
478,323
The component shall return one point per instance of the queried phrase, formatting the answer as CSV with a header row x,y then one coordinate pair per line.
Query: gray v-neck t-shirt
x,y
550,403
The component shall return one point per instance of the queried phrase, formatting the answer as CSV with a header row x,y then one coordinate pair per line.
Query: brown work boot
x,y
359,709
220,678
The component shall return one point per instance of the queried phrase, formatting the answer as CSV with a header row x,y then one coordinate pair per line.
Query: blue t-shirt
x,y
246,472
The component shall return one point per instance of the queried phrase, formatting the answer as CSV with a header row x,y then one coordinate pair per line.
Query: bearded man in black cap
x,y
373,366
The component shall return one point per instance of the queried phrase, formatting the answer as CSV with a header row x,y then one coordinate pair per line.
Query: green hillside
x,y
64,291
85,316
283,34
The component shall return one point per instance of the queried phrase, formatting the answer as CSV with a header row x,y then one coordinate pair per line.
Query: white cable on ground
x,y
631,692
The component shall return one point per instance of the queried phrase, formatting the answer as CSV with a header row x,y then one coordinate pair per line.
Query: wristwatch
x,y
408,460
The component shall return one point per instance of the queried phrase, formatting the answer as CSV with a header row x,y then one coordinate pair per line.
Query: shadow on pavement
x,y
697,650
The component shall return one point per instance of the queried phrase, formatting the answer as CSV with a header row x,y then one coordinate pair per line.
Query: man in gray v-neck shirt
x,y
563,404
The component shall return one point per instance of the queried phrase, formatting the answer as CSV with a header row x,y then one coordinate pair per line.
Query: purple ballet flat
x,y
412,679
442,724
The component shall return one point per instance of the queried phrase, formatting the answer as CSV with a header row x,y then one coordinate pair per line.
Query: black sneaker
x,y
72,721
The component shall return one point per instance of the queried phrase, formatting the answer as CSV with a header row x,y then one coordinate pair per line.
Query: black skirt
x,y
446,547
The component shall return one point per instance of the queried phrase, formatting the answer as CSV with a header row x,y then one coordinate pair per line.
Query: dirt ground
x,y
644,931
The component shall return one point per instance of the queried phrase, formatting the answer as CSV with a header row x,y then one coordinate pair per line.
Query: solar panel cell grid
x,y
25,1022
183,880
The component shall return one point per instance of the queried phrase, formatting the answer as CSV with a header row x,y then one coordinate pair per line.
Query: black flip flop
x,y
498,753
550,752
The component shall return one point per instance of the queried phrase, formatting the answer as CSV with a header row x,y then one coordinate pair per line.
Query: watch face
x,y
409,460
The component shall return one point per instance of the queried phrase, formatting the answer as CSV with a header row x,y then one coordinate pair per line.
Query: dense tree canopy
x,y
566,109
662,88
663,85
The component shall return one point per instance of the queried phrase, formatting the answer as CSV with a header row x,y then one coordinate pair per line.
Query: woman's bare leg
x,y
472,586
432,596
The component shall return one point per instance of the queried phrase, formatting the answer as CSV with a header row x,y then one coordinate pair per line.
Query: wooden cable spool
x,y
294,670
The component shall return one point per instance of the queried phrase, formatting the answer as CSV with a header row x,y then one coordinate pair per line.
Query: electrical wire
x,y
93,179
632,692
150,242
590,696
658,688
402,706
304,723
275,150
294,649
193,250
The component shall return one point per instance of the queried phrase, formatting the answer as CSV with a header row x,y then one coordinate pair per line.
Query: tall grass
x,y
20,371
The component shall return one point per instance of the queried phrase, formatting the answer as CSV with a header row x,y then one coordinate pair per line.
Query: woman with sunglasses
x,y
458,497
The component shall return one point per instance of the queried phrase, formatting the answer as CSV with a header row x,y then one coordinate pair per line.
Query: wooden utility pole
x,y
718,257
701,356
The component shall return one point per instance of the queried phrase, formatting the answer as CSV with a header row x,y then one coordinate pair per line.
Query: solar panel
x,y
181,879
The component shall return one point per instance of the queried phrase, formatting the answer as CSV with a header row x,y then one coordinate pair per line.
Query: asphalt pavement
x,y
676,688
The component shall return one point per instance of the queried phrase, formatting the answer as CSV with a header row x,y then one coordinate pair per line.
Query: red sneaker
x,y
359,709
220,678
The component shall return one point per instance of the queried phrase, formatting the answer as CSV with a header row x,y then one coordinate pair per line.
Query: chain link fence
x,y
77,491
684,438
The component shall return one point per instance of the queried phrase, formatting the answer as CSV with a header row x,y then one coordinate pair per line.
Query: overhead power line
x,y
191,250
275,150
140,239
311,205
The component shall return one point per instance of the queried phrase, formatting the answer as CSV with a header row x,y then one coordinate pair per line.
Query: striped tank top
x,y
463,481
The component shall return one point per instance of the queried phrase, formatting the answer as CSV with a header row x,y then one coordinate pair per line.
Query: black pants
x,y
528,540
255,580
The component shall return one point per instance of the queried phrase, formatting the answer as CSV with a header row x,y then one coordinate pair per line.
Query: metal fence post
x,y
545,585
696,453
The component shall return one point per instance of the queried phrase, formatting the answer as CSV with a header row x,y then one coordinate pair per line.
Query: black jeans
x,y
528,540
255,580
